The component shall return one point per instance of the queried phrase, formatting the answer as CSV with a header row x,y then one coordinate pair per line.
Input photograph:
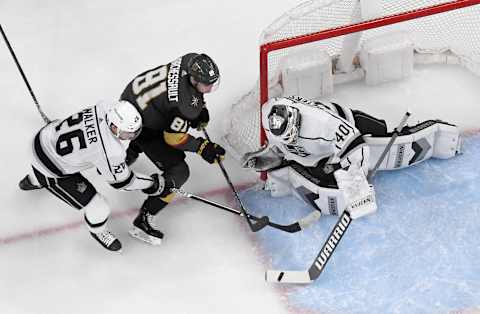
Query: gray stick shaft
x,y
227,177
291,228
396,132
44,116
260,223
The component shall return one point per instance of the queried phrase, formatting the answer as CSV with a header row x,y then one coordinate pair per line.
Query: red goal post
x,y
446,26
265,49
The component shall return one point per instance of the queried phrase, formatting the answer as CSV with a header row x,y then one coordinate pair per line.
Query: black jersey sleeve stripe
x,y
338,117
122,184
42,156
103,144
316,138
340,111
352,145
363,158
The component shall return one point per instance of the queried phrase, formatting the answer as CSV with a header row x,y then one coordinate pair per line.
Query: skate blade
x,y
141,235
460,148
113,251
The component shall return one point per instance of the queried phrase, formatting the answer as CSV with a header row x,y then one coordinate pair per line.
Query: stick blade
x,y
286,276
261,223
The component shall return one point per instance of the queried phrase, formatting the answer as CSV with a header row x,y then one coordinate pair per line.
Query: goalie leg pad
x,y
432,138
328,200
278,183
448,141
353,191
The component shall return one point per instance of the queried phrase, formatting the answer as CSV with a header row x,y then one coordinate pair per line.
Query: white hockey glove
x,y
263,159
359,195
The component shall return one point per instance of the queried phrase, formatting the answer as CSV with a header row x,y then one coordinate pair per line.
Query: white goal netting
x,y
451,35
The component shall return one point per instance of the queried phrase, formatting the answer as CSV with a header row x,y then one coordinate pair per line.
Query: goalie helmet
x,y
124,121
203,69
284,123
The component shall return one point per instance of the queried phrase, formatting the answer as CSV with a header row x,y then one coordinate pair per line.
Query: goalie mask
x,y
284,122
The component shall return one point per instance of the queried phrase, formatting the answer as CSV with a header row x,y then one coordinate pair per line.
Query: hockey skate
x,y
144,229
108,240
27,185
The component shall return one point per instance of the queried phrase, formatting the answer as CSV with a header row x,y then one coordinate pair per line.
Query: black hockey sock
x,y
153,204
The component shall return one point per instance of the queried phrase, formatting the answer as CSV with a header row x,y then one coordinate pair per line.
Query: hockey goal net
x,y
440,32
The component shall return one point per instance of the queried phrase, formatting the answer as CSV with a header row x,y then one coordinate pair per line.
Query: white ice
x,y
75,53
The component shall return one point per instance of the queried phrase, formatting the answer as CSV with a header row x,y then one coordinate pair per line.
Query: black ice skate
x,y
143,229
27,185
108,240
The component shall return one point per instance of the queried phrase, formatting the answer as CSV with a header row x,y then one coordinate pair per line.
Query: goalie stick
x,y
291,228
44,116
320,261
337,233
395,134
261,222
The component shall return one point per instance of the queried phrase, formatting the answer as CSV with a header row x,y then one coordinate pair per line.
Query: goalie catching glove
x,y
261,160
211,152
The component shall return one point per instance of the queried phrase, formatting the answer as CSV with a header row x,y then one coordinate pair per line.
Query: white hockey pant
x,y
96,214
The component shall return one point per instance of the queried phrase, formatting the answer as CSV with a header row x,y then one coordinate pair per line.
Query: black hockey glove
x,y
211,152
157,187
202,120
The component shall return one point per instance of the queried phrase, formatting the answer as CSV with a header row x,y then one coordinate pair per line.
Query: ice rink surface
x,y
418,254
75,53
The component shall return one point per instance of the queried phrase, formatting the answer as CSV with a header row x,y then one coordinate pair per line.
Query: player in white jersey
x,y
93,137
322,152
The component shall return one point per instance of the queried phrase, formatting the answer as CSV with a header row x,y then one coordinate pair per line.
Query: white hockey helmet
x,y
124,120
284,122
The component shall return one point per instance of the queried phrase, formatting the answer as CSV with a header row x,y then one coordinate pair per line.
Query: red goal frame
x,y
266,48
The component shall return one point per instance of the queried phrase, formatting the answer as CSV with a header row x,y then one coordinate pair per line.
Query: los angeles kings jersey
x,y
83,141
322,133
168,103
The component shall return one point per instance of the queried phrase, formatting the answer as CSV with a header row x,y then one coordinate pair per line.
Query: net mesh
x,y
455,32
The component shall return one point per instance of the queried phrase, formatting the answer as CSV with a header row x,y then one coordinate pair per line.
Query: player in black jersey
x,y
170,98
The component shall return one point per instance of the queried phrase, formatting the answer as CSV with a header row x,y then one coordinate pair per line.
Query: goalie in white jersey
x,y
322,152
90,138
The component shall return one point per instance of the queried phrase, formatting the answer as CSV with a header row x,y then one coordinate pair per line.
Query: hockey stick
x,y
292,228
395,134
288,276
259,224
341,226
44,116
